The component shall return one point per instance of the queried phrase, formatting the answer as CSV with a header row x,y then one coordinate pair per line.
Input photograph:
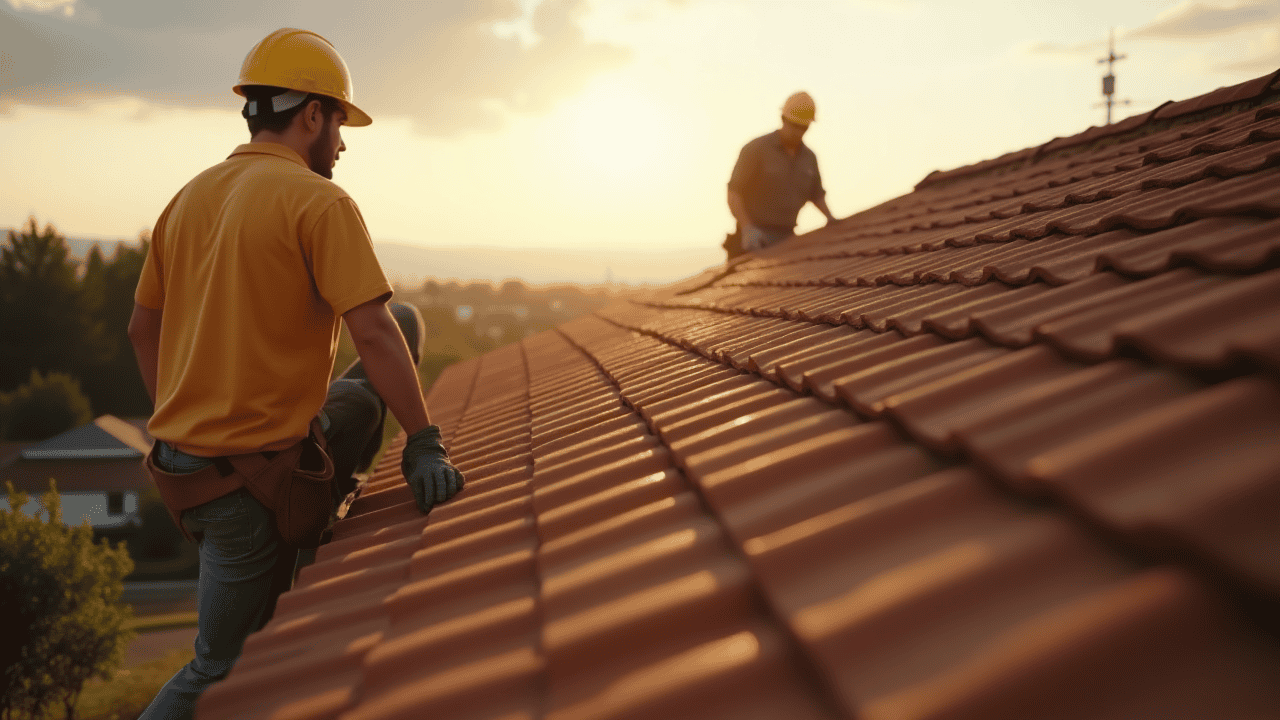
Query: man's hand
x,y
427,469
752,238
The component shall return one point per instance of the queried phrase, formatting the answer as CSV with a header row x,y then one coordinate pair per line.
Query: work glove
x,y
752,238
427,469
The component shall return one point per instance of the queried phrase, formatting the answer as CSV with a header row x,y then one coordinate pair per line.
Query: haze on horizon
x,y
584,125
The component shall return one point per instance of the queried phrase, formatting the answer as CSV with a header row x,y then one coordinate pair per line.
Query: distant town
x,y
412,265
469,319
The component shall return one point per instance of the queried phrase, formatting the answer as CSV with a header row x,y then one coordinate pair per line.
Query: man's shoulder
x,y
272,173
808,152
767,139
264,182
323,189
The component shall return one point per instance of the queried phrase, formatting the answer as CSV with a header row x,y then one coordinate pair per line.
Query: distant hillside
x,y
79,248
411,265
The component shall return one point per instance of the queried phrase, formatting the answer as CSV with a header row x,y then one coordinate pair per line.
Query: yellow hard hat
x,y
301,60
799,109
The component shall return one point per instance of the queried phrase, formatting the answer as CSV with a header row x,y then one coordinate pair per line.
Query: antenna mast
x,y
1109,80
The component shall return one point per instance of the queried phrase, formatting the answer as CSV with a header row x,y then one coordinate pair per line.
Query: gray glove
x,y
752,238
427,469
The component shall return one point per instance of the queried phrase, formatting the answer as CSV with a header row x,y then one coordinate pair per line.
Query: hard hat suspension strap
x,y
279,103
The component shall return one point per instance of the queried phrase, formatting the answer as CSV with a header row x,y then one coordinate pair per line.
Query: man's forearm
x,y
144,335
390,370
148,357
821,204
739,209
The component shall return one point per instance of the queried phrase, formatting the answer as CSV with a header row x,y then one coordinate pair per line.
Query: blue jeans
x,y
244,563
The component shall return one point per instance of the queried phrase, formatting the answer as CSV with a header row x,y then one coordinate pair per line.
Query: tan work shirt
x,y
774,186
253,264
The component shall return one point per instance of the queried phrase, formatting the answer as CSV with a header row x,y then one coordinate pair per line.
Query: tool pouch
x,y
732,244
294,484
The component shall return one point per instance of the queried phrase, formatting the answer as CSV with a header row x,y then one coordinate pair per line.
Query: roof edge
x,y
124,432
1248,91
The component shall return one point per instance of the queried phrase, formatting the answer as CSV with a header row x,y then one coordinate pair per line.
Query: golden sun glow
x,y
616,132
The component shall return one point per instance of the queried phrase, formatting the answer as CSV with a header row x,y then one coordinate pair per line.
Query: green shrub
x,y
157,538
44,407
60,598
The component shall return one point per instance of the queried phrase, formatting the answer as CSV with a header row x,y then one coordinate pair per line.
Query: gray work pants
x,y
244,563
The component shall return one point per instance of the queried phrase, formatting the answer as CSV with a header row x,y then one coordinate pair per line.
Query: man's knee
x,y
351,405
203,671
412,326
355,414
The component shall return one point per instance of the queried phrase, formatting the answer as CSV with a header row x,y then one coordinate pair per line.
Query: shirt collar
x,y
269,148
777,140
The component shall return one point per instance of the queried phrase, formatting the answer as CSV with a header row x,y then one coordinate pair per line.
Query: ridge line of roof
x,y
948,244
1257,92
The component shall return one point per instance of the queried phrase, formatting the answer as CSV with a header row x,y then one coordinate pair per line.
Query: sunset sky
x,y
583,124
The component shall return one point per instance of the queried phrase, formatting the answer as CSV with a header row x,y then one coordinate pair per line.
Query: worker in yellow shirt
x,y
252,266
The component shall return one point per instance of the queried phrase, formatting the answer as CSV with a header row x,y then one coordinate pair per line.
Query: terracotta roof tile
x,y
504,684
1146,314
1007,446
1202,469
817,373
1222,96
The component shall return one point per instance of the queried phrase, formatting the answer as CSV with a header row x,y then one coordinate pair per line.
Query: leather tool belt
x,y
294,484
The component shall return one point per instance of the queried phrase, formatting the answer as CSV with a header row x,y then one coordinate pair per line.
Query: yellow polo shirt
x,y
253,263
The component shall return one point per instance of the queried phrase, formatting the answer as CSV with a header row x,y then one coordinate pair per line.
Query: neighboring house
x,y
98,469
1006,447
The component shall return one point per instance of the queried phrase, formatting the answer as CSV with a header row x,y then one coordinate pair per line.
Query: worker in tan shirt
x,y
776,174
252,268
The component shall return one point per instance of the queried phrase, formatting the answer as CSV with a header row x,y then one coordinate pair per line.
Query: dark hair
x,y
265,119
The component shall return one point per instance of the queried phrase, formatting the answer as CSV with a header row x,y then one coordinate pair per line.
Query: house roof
x,y
10,449
1006,446
106,437
105,454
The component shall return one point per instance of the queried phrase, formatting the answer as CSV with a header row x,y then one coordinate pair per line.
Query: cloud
x,y
440,62
1092,47
1263,56
66,7
1249,41
1193,20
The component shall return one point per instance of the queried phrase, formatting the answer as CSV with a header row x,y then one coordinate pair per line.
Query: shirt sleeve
x,y
150,290
744,169
819,192
346,270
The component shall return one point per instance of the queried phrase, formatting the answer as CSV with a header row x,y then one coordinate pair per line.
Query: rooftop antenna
x,y
1109,80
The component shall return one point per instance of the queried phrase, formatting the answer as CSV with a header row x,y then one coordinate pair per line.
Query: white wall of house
x,y
104,510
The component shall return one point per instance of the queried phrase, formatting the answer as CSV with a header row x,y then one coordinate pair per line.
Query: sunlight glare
x,y
618,133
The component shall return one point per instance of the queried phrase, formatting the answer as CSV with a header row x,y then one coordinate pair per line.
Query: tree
x,y
60,597
513,291
47,321
114,384
432,291
45,406
54,321
157,538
